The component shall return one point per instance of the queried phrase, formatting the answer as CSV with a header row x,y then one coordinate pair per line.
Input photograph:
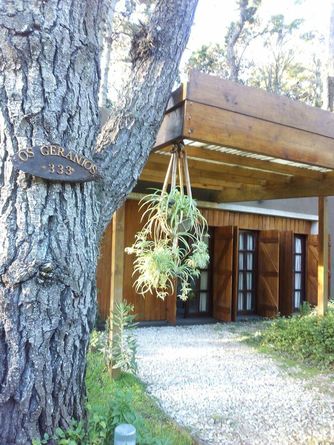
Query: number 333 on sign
x,y
60,169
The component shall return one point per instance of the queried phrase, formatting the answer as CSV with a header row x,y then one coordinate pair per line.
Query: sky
x,y
213,16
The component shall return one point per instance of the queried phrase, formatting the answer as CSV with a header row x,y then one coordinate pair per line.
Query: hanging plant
x,y
171,246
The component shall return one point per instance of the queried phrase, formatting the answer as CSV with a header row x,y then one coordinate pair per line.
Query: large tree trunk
x,y
49,233
48,243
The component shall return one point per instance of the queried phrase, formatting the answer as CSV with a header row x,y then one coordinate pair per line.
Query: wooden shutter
x,y
312,256
223,273
268,273
286,273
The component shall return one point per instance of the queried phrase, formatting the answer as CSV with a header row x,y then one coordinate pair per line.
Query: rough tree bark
x,y
49,233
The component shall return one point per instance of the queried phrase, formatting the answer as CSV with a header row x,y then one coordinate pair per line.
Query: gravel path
x,y
226,392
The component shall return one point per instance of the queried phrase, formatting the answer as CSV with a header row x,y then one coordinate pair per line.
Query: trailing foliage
x,y
306,336
171,244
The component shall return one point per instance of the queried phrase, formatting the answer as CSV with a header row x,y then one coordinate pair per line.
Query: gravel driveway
x,y
227,393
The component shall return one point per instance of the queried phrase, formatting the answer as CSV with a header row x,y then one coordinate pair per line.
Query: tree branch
x,y
125,141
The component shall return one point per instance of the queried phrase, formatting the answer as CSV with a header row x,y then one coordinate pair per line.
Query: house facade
x,y
262,262
261,168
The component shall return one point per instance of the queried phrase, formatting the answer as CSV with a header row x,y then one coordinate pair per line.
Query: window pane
x,y
193,283
298,281
204,280
250,242
297,299
249,281
249,301
203,302
298,263
241,284
241,242
298,245
193,303
206,239
249,261
240,305
241,261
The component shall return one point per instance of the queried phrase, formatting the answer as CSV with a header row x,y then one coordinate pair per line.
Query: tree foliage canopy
x,y
267,54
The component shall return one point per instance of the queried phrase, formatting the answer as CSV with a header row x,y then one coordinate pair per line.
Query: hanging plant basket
x,y
171,247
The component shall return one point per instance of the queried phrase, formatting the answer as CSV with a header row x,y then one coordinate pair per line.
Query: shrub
x,y
306,336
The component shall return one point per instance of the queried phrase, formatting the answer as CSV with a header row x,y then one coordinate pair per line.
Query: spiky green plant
x,y
124,344
171,244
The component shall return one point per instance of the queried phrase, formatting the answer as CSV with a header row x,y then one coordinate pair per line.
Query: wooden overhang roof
x,y
246,144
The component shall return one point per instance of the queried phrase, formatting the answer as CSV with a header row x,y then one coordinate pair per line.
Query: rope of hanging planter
x,y
171,246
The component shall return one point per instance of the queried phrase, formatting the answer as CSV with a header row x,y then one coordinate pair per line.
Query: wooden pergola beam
x,y
212,125
323,256
260,104
294,189
216,112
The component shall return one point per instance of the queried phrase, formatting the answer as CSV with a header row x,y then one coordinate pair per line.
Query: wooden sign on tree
x,y
56,163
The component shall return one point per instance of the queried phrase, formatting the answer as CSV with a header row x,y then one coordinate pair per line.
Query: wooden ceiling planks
x,y
248,162
282,148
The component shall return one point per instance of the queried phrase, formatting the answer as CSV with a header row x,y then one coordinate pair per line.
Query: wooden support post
x,y
323,256
117,267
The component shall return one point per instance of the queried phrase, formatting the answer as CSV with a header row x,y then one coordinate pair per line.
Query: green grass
x,y
126,400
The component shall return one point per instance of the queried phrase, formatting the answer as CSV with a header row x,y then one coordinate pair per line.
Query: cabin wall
x,y
152,309
222,218
148,307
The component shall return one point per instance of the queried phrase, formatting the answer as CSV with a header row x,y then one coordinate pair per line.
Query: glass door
x,y
298,272
199,301
246,272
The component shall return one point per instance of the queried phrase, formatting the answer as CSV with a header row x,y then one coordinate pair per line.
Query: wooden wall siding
x,y
286,273
150,307
218,218
103,272
268,273
223,273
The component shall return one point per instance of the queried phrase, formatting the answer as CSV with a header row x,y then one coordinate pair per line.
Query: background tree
x,y
228,59
330,74
282,72
240,34
266,54
50,232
